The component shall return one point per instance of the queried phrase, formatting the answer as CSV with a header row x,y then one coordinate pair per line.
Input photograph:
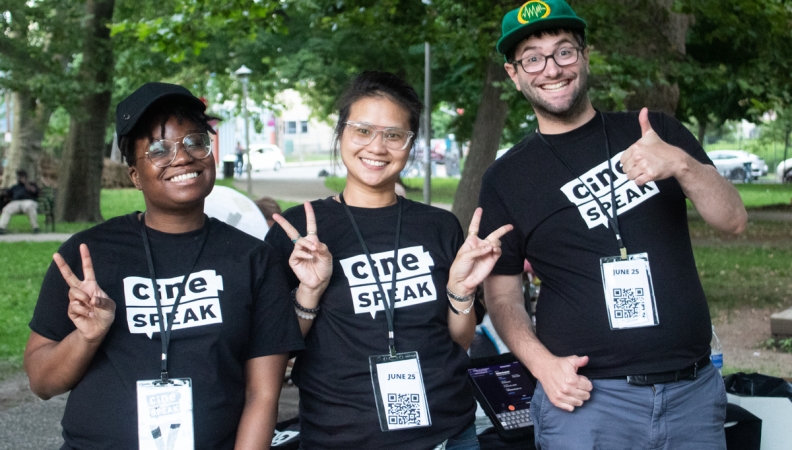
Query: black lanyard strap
x,y
613,220
165,332
389,298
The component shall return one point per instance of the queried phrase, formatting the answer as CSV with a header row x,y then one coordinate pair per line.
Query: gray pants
x,y
29,207
684,415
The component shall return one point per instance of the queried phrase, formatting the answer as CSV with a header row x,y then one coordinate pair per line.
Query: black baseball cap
x,y
131,109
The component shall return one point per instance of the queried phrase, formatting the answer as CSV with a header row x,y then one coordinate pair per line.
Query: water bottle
x,y
716,352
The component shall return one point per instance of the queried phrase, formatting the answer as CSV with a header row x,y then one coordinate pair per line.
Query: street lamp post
x,y
243,73
427,188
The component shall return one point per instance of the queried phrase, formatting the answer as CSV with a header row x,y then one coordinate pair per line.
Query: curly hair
x,y
160,112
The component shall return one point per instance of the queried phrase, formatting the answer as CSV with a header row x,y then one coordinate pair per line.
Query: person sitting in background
x,y
268,207
23,197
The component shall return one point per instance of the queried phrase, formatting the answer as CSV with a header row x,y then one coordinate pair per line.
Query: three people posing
x,y
383,286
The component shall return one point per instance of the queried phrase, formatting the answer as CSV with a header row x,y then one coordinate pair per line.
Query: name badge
x,y
629,296
399,391
165,414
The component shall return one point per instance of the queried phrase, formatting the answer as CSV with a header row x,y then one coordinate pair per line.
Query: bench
x,y
46,206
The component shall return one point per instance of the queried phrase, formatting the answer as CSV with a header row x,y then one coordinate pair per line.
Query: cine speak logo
x,y
533,10
413,279
599,181
199,305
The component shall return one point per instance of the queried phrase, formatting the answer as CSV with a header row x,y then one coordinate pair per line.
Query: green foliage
x,y
781,345
38,46
738,59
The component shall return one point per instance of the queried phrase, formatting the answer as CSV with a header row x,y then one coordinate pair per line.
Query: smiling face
x,y
373,167
184,184
556,93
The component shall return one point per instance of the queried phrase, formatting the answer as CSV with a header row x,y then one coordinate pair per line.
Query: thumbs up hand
x,y
650,158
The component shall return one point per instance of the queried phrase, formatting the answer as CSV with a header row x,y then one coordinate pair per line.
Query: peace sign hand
x,y
91,310
310,260
475,258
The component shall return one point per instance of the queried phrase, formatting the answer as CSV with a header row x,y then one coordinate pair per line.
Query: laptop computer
x,y
504,389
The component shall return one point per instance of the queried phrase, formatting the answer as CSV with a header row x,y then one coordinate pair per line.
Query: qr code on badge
x,y
629,303
404,409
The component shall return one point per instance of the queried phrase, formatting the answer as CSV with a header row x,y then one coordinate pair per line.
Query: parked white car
x,y
263,157
784,171
731,164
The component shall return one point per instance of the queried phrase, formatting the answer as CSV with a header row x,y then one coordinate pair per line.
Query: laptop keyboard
x,y
515,419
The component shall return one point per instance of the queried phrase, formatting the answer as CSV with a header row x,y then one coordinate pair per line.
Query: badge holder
x,y
165,414
629,295
399,391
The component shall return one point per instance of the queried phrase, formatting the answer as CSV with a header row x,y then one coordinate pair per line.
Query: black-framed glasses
x,y
564,56
162,152
363,133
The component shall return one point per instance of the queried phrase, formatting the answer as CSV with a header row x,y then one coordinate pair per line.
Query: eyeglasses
x,y
162,152
534,63
363,133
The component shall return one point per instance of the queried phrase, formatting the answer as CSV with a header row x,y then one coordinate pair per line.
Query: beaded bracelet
x,y
303,315
302,308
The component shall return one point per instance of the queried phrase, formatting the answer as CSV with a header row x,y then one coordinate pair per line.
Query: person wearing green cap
x,y
623,327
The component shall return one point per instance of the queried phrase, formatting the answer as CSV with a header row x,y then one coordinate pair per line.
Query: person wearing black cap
x,y
173,331
621,348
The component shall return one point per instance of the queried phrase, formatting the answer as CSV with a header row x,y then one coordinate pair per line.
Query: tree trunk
x,y
487,131
80,174
702,131
674,27
30,123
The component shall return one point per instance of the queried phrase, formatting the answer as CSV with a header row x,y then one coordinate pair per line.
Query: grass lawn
x,y
22,268
757,195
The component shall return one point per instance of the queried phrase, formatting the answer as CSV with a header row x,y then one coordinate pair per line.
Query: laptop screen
x,y
508,389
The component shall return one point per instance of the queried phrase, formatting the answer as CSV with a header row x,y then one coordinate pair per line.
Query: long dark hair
x,y
378,84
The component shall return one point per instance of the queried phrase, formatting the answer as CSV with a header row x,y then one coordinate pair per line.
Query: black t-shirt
x,y
20,192
337,407
560,229
236,307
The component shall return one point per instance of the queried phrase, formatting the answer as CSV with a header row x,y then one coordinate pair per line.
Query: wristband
x,y
306,316
302,308
456,311
460,298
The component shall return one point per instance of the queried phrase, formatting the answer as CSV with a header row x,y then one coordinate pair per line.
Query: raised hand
x,y
476,258
651,158
91,310
310,260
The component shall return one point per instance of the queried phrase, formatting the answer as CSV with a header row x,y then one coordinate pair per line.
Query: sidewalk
x,y
289,190
30,237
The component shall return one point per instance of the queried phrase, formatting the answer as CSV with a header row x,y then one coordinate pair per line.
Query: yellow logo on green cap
x,y
533,10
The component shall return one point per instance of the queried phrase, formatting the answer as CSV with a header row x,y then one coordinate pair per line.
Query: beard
x,y
566,112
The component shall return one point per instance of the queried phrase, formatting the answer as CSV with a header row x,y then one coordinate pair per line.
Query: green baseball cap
x,y
533,16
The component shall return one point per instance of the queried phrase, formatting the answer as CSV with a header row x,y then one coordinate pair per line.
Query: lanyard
x,y
165,332
614,220
388,302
